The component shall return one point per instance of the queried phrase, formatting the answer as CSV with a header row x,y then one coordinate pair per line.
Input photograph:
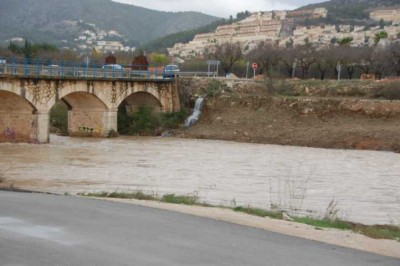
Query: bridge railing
x,y
39,68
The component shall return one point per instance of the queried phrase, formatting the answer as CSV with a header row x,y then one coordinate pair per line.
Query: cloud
x,y
219,8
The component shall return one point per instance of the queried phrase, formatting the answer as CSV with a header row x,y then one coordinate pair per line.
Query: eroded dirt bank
x,y
249,112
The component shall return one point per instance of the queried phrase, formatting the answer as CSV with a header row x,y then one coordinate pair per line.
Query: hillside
x,y
351,9
57,20
340,12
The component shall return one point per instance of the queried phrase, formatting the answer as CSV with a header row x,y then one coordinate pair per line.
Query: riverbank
x,y
351,115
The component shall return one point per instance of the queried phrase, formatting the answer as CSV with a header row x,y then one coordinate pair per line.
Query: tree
x,y
306,57
364,59
267,57
394,51
345,41
30,50
380,35
381,23
228,53
323,62
348,60
158,59
289,59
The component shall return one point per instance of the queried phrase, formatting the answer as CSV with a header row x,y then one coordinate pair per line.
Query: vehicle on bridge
x,y
113,70
171,71
112,67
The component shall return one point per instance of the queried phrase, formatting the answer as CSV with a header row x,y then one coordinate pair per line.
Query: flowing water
x,y
365,184
196,112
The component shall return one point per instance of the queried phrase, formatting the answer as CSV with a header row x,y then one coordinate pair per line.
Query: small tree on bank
x,y
228,53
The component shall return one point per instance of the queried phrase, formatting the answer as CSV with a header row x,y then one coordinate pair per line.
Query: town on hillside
x,y
282,28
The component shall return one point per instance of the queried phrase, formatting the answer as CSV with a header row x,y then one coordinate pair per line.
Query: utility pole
x,y
247,70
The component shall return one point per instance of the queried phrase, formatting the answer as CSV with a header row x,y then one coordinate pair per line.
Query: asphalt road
x,y
39,230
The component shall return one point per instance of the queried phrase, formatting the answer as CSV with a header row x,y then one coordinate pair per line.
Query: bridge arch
x,y
145,91
86,113
17,117
141,98
78,88
19,89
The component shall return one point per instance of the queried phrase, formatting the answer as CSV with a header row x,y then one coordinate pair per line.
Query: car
x,y
52,70
171,71
112,70
112,67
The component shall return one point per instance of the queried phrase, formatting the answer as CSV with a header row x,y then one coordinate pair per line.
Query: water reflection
x,y
366,184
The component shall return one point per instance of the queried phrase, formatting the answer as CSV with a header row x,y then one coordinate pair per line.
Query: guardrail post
x,y
38,67
94,70
50,68
62,68
13,67
156,72
26,70
73,70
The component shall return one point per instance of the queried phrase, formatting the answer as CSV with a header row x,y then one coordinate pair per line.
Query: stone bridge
x,y
25,104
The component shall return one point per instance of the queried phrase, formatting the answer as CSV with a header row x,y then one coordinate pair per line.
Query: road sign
x,y
254,66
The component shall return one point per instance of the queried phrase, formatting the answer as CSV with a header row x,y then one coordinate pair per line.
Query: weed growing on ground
x,y
139,195
390,91
258,212
187,200
214,87
290,194
331,211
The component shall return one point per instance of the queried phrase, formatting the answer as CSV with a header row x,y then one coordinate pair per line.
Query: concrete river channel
x,y
365,184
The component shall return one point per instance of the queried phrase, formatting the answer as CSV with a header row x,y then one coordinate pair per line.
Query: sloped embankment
x,y
246,113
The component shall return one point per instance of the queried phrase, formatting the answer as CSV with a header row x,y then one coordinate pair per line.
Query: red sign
x,y
254,65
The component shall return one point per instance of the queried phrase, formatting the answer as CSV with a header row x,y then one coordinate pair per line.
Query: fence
x,y
38,68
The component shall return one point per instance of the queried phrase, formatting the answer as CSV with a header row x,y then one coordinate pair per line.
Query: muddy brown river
x,y
364,184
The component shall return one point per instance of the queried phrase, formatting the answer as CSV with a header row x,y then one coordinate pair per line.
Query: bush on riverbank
x,y
147,122
59,118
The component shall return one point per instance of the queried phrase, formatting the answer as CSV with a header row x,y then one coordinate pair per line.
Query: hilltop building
x,y
392,14
278,27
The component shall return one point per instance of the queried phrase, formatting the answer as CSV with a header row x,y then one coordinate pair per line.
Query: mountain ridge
x,y
36,19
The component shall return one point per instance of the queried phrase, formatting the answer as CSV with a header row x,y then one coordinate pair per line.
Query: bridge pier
x,y
40,127
110,121
91,122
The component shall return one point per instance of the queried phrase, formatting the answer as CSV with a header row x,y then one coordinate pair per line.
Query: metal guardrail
x,y
39,69
60,69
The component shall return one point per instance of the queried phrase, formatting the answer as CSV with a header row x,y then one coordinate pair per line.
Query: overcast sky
x,y
219,8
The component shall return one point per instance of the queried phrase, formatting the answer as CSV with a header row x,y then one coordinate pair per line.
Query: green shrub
x,y
172,120
214,87
146,121
280,87
187,200
390,91
258,212
112,134
59,117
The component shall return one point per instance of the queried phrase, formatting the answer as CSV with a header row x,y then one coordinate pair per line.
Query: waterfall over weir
x,y
196,112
